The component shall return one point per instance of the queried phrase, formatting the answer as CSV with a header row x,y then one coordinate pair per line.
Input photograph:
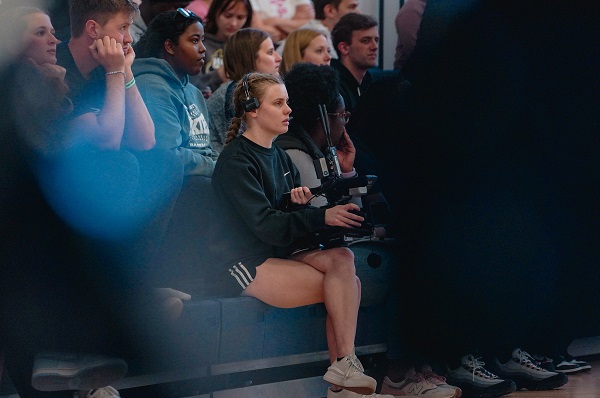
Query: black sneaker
x,y
527,374
476,382
567,364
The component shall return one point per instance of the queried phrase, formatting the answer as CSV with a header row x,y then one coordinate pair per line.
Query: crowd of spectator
x,y
489,184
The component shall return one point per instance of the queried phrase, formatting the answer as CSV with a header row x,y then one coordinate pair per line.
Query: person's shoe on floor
x,y
527,374
415,385
567,364
439,380
349,394
348,373
476,381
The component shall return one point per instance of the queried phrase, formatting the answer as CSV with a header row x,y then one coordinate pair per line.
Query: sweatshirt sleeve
x,y
240,180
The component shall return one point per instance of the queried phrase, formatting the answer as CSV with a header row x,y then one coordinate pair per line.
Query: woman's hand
x,y
342,216
300,195
346,153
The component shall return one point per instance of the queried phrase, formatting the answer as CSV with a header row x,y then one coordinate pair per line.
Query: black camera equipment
x,y
338,191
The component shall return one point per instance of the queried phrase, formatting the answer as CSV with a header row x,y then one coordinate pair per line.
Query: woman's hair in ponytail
x,y
257,85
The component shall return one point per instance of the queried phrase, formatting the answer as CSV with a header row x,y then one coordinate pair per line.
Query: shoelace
x,y
355,365
527,360
476,367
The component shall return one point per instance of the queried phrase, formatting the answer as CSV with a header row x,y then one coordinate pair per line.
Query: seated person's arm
x,y
104,128
139,128
304,13
259,23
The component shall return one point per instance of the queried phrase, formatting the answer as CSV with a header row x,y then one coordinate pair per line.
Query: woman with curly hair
x,y
309,86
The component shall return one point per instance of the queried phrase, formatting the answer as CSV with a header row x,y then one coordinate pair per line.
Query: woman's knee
x,y
343,259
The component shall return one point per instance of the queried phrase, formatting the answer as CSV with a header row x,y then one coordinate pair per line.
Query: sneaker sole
x,y
540,385
80,378
497,390
358,389
574,370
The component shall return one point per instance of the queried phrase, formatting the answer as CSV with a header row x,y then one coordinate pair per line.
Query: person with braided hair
x,y
255,240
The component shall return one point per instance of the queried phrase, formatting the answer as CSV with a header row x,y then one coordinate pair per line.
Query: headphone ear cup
x,y
251,104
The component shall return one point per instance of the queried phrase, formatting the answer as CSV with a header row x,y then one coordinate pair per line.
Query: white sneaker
x,y
348,373
439,380
350,394
415,385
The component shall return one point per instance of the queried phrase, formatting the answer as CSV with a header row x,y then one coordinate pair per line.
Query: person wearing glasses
x,y
254,240
309,86
170,52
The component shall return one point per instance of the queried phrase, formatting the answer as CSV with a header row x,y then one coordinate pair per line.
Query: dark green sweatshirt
x,y
248,184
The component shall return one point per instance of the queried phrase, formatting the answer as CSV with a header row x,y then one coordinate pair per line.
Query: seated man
x,y
112,187
356,40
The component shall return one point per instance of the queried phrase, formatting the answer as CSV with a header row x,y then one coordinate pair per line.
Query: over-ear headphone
x,y
250,103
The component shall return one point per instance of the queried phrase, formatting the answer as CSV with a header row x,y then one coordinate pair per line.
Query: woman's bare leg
x,y
319,276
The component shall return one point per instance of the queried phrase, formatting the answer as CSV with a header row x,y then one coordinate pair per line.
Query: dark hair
x,y
257,84
342,31
320,5
165,26
100,11
240,51
217,7
309,85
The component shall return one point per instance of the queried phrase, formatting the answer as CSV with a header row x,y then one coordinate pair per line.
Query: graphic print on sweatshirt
x,y
199,133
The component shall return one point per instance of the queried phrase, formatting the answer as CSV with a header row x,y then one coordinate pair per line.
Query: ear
x,y
92,29
343,48
169,47
329,11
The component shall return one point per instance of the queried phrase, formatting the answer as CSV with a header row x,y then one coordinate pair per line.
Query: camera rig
x,y
339,190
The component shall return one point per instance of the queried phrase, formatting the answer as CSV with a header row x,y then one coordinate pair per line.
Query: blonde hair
x,y
257,84
295,44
